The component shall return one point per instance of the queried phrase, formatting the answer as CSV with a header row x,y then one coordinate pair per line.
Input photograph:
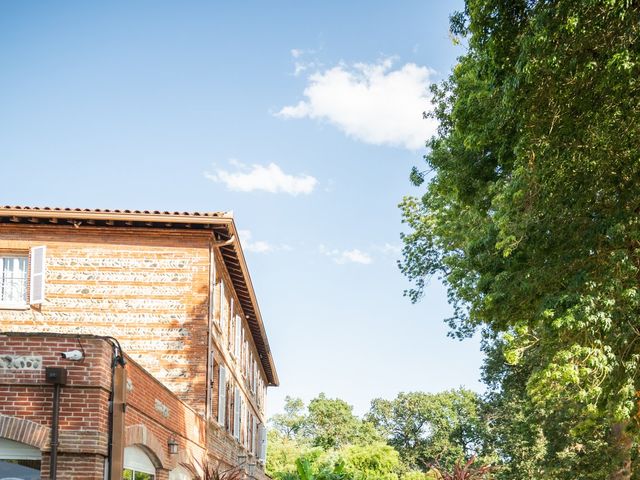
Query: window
x,y
238,339
232,329
17,272
262,443
224,313
13,279
237,410
137,465
19,461
222,394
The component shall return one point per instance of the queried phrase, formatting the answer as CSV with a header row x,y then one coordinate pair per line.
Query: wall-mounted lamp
x,y
173,446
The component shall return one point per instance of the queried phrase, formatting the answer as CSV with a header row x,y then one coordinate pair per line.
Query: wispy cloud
x,y
389,249
268,178
372,102
346,256
302,65
259,246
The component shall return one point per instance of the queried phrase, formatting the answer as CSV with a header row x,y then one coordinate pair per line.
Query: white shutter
x,y
254,434
210,374
36,281
243,428
262,446
222,394
238,334
212,289
236,414
223,307
232,333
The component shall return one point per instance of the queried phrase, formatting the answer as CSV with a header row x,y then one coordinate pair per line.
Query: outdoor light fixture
x,y
173,446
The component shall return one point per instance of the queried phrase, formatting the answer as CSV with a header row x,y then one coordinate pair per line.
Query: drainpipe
x,y
118,359
58,377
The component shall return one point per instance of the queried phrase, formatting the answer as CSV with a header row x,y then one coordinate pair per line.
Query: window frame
x,y
25,254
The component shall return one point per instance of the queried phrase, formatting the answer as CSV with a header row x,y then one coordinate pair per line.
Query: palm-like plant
x,y
468,471
215,472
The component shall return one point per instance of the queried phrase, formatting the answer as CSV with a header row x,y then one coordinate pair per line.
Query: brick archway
x,y
140,436
25,431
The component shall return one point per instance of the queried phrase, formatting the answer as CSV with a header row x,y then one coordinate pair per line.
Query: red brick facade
x,y
168,292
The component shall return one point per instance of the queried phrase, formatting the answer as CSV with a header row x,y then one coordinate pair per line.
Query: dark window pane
x,y
20,469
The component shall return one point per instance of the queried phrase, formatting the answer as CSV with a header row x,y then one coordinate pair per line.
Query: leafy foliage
x,y
397,439
327,441
426,427
531,219
291,422
376,461
331,424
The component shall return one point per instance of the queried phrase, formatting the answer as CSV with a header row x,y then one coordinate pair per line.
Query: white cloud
x,y
373,103
259,246
269,178
389,249
347,256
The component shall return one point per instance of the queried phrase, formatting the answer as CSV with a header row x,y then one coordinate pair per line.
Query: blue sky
x,y
301,117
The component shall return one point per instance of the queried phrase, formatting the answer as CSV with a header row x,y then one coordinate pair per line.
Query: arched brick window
x,y
137,465
19,461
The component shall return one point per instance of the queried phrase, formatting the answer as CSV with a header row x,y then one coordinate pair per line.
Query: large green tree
x,y
331,423
531,218
291,422
431,427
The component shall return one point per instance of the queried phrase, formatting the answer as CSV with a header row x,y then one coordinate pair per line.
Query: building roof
x,y
220,224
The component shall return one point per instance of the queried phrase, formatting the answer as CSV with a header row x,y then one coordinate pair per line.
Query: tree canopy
x,y
426,428
530,217
397,439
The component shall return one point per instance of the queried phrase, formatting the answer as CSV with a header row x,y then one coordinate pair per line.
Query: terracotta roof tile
x,y
107,210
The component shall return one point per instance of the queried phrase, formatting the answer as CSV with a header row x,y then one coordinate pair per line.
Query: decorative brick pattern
x,y
24,431
147,288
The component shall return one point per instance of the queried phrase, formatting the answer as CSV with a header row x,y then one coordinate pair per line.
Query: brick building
x,y
161,313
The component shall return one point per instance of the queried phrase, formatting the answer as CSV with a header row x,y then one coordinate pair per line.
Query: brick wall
x,y
26,401
148,289
153,416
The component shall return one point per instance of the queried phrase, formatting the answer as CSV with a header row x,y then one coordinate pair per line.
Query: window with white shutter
x,y
262,443
236,414
213,304
254,433
210,390
238,334
232,329
223,307
222,394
